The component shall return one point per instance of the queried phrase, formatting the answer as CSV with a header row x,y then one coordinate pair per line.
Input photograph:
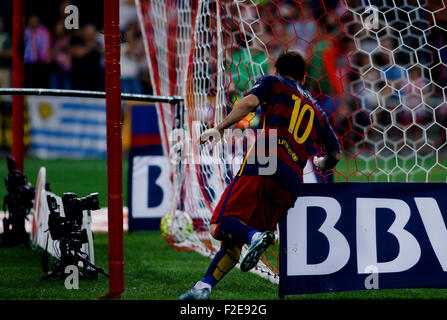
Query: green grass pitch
x,y
153,270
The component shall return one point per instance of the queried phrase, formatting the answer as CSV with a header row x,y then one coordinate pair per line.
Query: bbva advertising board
x,y
149,187
357,236
150,191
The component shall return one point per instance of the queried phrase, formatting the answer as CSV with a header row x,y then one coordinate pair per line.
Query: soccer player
x,y
252,204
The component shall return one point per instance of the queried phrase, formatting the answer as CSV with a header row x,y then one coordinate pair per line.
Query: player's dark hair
x,y
292,64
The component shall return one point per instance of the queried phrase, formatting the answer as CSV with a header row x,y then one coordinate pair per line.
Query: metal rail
x,y
87,94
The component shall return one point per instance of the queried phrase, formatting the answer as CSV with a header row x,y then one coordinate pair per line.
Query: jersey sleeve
x,y
263,88
326,135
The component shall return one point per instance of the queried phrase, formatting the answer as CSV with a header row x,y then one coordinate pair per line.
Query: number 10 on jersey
x,y
297,117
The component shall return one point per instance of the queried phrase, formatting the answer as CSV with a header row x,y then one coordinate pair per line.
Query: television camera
x,y
17,203
71,234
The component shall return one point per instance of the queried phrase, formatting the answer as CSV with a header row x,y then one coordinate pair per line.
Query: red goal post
x,y
113,97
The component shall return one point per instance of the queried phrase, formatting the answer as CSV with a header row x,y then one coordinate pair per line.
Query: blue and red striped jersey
x,y
300,123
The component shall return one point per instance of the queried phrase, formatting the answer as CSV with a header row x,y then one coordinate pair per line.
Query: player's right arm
x,y
328,162
328,140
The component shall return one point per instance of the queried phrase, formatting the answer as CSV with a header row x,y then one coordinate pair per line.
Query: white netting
x,y
377,67
401,84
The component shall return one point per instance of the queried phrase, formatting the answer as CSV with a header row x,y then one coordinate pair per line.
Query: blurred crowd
x,y
362,78
61,58
394,74
311,27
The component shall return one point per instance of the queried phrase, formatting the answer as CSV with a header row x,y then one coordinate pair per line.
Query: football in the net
x,y
176,227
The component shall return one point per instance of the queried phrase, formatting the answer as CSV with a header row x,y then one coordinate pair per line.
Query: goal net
x,y
378,68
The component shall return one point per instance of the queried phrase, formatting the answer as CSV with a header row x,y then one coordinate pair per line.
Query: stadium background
x,y
65,67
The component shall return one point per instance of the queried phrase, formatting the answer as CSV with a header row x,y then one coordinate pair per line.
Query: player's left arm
x,y
258,94
246,105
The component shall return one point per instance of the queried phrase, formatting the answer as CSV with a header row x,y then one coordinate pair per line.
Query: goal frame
x,y
113,97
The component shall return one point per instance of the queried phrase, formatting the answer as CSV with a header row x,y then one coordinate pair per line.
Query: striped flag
x,y
64,127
